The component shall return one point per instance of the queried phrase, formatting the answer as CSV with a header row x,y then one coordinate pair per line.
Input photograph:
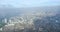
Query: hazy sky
x,y
28,3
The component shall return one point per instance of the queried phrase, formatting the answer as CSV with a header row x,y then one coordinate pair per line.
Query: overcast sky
x,y
28,3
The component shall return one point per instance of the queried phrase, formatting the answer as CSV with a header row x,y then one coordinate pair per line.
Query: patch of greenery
x,y
2,24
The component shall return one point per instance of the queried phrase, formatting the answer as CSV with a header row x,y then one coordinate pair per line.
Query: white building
x,y
0,29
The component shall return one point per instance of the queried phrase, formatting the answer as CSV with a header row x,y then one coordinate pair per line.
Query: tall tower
x,y
5,20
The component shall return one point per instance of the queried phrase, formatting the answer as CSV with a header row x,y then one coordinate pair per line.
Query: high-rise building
x,y
4,20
